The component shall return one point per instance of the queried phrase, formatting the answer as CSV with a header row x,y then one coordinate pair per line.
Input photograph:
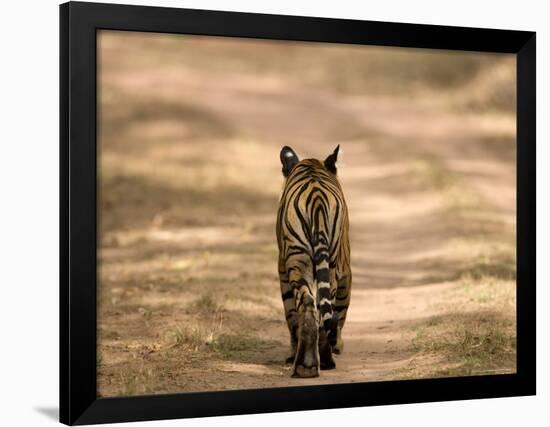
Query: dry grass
x,y
477,335
233,345
208,304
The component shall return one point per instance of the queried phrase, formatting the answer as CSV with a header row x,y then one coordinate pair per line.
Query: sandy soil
x,y
190,177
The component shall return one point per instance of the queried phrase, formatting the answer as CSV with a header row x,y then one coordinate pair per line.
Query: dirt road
x,y
190,178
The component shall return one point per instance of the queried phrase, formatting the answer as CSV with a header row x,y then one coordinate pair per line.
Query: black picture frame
x,y
79,23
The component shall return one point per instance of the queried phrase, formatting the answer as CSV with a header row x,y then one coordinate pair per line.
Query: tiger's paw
x,y
328,364
302,371
325,351
339,347
306,364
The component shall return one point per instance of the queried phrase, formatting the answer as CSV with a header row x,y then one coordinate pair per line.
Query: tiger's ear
x,y
330,161
289,159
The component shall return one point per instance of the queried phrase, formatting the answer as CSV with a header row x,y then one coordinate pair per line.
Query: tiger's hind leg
x,y
341,304
291,315
306,333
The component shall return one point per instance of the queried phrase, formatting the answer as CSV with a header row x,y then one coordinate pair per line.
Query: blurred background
x,y
190,130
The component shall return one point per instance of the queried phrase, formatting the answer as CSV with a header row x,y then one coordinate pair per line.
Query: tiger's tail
x,y
321,261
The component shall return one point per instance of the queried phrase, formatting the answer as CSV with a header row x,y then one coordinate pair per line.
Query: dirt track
x,y
189,298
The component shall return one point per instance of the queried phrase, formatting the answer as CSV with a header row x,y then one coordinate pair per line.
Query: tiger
x,y
314,261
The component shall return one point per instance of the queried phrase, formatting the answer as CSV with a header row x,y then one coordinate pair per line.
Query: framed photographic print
x,y
267,213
